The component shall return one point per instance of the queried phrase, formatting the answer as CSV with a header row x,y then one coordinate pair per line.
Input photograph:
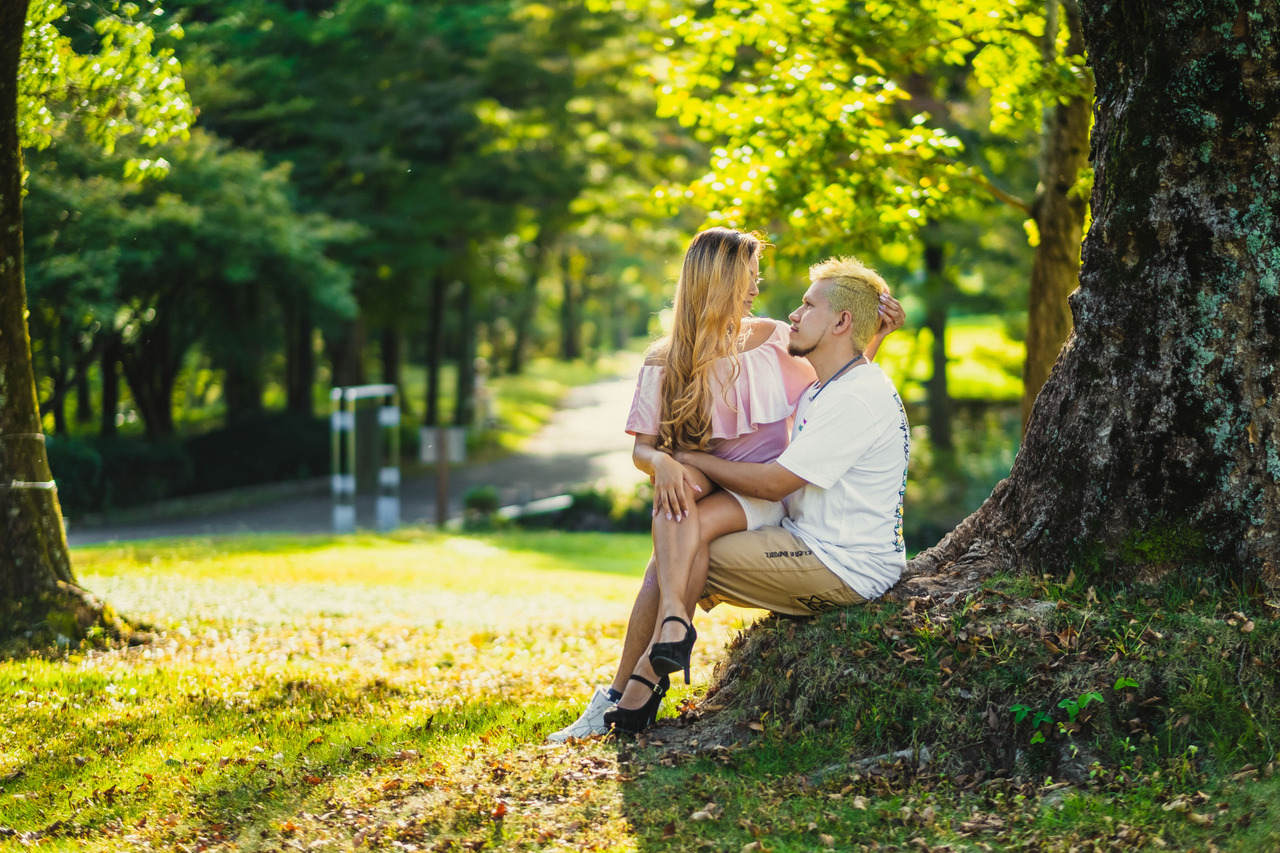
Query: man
x,y
841,482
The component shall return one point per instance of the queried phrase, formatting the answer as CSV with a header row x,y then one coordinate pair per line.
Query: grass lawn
x,y
292,675
394,693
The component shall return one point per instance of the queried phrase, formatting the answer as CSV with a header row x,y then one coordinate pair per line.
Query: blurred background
x,y
484,203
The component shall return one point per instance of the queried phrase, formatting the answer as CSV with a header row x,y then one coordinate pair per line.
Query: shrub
x,y
96,474
479,505
265,449
77,469
608,510
138,471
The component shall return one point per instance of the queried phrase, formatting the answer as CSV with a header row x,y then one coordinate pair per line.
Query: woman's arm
x,y
891,319
674,485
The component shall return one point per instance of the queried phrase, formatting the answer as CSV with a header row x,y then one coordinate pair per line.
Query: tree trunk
x,y
435,349
36,584
109,367
242,389
1154,446
84,401
346,354
528,306
57,404
151,369
299,360
937,299
1059,216
464,412
389,344
570,333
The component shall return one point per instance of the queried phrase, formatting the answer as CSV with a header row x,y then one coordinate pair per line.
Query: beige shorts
x,y
772,569
760,512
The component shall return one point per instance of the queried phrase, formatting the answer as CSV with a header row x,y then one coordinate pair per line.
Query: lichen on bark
x,y
1162,408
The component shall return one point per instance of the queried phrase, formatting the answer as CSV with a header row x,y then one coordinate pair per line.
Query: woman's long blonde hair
x,y
706,323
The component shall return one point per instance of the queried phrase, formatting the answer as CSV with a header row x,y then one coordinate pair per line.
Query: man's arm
x,y
767,480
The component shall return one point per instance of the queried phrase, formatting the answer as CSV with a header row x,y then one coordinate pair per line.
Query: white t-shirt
x,y
851,444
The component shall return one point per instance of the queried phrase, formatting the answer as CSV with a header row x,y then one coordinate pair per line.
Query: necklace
x,y
823,386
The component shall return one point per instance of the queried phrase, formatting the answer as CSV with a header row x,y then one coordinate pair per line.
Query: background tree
x,y
212,256
373,103
119,86
885,119
1154,444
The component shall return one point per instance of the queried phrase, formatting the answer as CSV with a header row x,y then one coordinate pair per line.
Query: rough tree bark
x,y
1059,216
37,589
1155,443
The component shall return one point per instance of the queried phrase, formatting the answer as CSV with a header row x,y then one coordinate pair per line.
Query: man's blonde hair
x,y
855,288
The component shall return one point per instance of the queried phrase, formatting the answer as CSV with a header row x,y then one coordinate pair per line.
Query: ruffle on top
x,y
768,386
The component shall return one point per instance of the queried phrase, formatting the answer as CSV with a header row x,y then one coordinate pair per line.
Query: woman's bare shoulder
x,y
656,354
758,330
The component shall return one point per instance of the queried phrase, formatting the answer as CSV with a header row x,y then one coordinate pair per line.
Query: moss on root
x,y
62,618
1023,677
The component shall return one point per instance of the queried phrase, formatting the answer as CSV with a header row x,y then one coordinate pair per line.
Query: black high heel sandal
x,y
632,721
666,658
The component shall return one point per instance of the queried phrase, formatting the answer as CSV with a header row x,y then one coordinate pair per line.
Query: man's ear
x,y
843,324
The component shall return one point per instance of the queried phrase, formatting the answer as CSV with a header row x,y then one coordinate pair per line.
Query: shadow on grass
x,y
195,765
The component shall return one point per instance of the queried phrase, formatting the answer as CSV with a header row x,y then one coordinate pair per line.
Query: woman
x,y
722,381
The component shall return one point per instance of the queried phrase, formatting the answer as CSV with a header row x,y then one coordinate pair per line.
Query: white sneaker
x,y
590,723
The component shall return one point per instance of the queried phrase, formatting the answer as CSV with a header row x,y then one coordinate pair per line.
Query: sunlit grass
x,y
369,692
287,669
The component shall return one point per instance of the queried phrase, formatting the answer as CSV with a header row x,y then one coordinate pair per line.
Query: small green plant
x,y
1073,707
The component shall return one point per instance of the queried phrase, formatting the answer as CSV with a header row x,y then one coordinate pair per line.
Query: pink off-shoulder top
x,y
752,421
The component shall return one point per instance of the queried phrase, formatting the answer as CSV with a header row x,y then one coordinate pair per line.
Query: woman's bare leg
x,y
718,519
646,610
719,514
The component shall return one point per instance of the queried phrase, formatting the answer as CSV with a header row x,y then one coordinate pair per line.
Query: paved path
x,y
583,444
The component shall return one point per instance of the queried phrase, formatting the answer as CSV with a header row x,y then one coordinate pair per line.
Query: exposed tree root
x,y
64,616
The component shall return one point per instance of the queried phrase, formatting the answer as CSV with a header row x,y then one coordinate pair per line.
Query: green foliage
x,y
841,118
943,488
96,66
479,506
610,510
98,475
213,254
